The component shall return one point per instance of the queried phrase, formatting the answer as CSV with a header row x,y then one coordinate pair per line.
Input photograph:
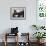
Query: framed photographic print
x,y
17,13
41,12
41,8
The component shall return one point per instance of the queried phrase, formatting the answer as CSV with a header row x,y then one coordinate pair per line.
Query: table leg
x,y
5,40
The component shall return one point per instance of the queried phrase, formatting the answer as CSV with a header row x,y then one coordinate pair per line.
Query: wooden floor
x,y
13,44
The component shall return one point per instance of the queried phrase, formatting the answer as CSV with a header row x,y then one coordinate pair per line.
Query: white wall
x,y
24,25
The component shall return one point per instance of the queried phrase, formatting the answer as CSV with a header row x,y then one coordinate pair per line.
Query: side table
x,y
8,34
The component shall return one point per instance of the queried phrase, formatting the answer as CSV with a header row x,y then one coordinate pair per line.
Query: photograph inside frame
x,y
17,13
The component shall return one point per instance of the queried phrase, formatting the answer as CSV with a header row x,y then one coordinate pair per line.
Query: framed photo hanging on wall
x,y
17,13
41,8
41,12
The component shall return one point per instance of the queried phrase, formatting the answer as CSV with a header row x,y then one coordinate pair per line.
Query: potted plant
x,y
34,26
39,35
42,27
38,27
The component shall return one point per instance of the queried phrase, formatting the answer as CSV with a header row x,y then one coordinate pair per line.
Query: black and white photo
x,y
17,13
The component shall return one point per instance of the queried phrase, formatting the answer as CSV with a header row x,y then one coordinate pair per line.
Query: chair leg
x,y
5,40
5,43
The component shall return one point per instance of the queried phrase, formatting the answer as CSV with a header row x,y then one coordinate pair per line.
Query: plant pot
x,y
40,41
